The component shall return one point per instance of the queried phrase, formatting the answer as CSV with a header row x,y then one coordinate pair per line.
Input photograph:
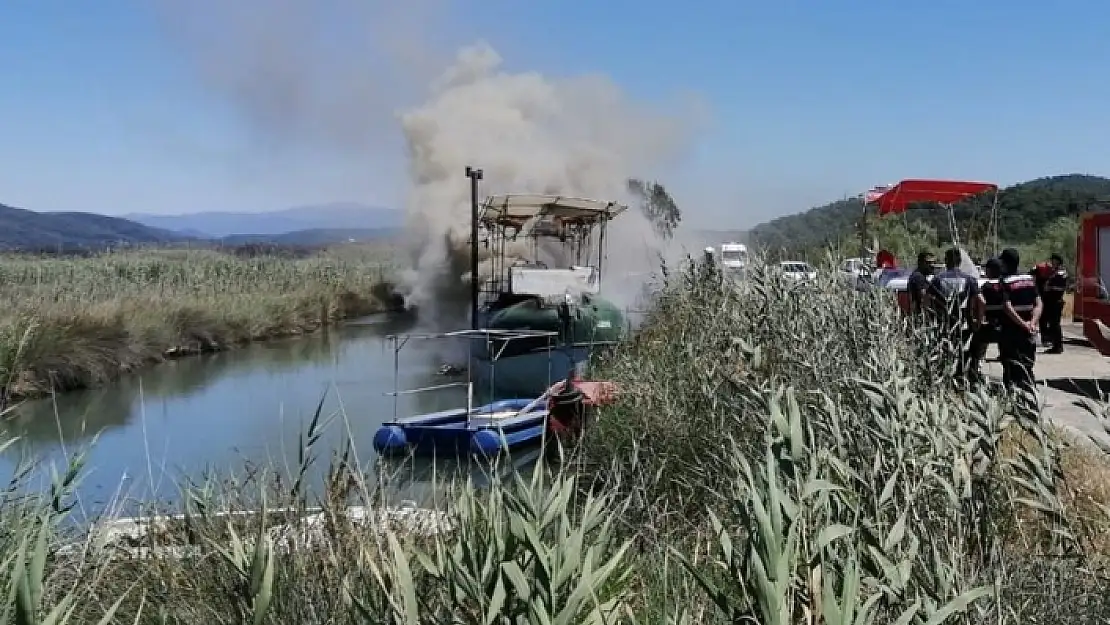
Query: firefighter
x,y
1021,307
709,270
1052,296
1040,273
918,283
958,306
987,332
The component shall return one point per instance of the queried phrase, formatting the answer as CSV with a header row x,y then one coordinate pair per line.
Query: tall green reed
x,y
770,461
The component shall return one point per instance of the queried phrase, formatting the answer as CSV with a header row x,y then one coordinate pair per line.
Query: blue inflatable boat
x,y
486,430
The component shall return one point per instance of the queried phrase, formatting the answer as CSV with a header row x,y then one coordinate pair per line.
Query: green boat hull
x,y
530,365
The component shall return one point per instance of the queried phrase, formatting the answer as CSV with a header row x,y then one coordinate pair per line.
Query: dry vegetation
x,y
75,322
775,459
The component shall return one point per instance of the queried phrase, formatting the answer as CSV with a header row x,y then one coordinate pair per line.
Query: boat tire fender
x,y
390,439
487,443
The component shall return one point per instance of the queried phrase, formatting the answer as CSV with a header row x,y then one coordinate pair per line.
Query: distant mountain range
x,y
311,237
27,230
214,225
308,226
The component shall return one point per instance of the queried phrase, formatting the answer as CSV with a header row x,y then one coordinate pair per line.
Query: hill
x,y
314,237
337,216
1026,211
26,230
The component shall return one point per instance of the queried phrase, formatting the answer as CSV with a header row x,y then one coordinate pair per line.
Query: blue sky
x,y
104,110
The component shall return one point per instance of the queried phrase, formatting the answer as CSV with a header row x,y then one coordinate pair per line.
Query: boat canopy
x,y
899,197
515,210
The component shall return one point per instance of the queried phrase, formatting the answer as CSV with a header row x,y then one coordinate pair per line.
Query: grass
x,y
780,454
76,322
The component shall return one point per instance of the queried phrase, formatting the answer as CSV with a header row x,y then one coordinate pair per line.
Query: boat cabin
x,y
571,229
546,282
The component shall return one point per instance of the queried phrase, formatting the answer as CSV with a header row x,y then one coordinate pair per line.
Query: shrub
x,y
77,322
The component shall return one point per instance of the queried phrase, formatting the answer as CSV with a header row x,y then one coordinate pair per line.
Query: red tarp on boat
x,y
901,196
595,393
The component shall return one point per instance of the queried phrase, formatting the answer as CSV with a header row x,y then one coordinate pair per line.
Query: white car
x,y
853,267
798,270
856,272
898,278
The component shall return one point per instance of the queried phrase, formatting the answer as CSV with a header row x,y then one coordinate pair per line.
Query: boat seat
x,y
494,416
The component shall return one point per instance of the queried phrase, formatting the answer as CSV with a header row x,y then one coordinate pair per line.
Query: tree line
x,y
1037,214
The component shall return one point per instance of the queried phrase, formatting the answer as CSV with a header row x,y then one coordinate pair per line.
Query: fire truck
x,y
1091,304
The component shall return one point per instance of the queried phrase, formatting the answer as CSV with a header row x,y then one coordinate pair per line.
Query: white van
x,y
734,255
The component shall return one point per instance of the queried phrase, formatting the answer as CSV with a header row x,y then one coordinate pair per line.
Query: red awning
x,y
899,197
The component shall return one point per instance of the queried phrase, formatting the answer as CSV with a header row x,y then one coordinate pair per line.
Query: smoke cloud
x,y
576,136
318,74
360,76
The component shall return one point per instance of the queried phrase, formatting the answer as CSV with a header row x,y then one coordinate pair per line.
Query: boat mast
x,y
475,175
601,243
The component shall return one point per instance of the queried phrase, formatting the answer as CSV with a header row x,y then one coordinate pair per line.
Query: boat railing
x,y
490,335
577,344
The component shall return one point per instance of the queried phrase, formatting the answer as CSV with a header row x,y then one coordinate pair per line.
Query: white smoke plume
x,y
358,77
575,136
311,74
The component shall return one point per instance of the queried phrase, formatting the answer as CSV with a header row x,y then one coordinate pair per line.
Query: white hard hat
x,y
709,250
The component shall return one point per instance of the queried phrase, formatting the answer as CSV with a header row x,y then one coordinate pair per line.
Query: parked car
x,y
856,273
798,270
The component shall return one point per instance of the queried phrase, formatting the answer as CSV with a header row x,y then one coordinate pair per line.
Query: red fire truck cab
x,y
1091,304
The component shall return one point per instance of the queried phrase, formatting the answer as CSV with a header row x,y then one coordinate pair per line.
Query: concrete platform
x,y
1073,333
1063,381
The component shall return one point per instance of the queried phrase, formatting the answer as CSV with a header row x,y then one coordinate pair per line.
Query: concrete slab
x,y
1063,381
1073,333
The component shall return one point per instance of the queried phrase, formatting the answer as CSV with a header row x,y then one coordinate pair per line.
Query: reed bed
x,y
76,322
781,454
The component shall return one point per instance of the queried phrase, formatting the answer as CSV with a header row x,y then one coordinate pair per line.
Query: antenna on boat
x,y
475,175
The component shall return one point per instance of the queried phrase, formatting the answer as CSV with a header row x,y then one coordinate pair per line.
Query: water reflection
x,y
221,411
76,416
422,481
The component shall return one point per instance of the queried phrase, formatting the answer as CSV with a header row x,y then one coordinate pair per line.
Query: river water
x,y
231,412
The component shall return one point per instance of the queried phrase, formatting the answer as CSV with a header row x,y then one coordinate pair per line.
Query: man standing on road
x,y
958,306
709,267
1017,345
1053,296
987,332
918,283
1040,273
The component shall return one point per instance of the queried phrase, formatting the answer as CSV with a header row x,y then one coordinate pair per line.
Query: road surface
x,y
1065,380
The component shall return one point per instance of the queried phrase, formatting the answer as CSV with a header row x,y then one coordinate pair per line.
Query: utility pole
x,y
475,175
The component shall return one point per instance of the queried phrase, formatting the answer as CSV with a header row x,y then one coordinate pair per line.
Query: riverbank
x,y
71,323
772,459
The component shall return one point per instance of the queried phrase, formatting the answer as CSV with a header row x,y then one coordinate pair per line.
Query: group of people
x,y
1010,309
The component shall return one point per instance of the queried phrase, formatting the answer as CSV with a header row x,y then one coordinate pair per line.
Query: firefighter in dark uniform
x,y
1040,273
1021,307
918,285
987,332
1052,297
709,264
958,306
